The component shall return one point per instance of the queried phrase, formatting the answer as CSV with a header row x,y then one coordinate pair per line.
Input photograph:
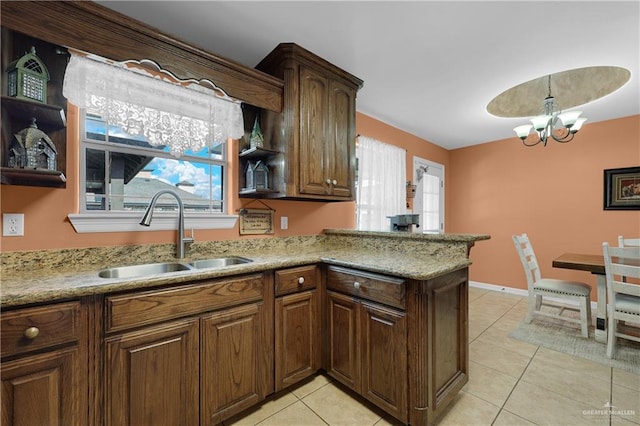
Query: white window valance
x,y
182,115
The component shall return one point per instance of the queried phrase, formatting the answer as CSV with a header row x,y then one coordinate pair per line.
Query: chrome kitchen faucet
x,y
148,214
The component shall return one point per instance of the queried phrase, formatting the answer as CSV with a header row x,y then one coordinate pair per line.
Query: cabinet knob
x,y
300,280
328,181
31,333
335,182
356,285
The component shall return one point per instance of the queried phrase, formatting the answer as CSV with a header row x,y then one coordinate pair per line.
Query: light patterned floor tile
x,y
579,385
475,292
543,407
626,379
499,337
469,410
336,407
581,365
626,402
310,386
503,360
506,418
296,414
489,384
256,415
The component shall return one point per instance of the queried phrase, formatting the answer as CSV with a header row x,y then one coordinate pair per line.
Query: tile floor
x,y
511,383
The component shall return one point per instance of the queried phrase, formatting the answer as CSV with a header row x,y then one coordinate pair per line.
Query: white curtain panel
x,y
181,117
381,183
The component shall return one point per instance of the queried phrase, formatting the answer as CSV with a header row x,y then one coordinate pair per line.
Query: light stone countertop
x,y
406,256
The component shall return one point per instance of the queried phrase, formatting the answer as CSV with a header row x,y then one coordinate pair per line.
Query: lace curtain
x,y
166,113
381,183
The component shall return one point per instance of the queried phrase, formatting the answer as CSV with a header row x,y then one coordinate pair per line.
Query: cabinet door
x,y
297,338
343,337
340,142
43,389
384,358
314,89
152,376
232,378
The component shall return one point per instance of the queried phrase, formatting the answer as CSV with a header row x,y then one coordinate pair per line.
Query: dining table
x,y
593,263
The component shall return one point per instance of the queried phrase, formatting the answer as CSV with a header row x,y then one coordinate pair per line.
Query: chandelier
x,y
560,126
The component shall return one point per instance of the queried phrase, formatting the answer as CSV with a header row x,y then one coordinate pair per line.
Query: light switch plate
x,y
284,222
13,224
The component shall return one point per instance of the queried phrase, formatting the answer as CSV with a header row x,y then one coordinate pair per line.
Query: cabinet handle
x,y
356,285
300,280
31,333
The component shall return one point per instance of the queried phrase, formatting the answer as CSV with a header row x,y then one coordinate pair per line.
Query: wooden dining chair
x,y
628,242
554,291
621,264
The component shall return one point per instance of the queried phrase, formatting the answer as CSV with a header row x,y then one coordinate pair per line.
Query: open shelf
x,y
47,115
49,178
253,153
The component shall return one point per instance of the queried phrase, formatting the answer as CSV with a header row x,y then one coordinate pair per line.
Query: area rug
x,y
563,337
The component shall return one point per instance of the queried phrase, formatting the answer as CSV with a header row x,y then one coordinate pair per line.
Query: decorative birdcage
x,y
31,148
27,78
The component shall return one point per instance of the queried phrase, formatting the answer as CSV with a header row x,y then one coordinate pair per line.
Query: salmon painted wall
x,y
553,193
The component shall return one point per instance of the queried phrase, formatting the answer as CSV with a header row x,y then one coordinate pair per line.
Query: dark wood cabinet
x,y
367,350
44,365
232,376
316,129
152,376
197,353
297,325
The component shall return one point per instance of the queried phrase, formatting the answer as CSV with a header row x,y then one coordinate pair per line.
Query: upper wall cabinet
x,y
315,132
30,156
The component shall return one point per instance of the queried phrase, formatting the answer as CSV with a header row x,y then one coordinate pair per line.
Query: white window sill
x,y
130,222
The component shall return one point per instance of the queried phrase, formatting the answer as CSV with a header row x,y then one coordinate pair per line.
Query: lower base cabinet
x,y
152,376
367,351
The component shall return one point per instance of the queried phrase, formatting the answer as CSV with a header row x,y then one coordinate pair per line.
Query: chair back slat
x,y
620,264
628,242
528,259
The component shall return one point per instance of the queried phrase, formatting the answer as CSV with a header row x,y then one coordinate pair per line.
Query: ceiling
x,y
429,67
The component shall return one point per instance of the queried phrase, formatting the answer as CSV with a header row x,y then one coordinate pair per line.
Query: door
x,y
343,339
384,358
231,378
429,200
297,338
43,390
152,376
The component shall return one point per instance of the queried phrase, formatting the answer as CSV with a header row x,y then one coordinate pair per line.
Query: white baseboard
x,y
511,290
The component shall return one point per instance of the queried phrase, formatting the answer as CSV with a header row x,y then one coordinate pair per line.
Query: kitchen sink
x,y
162,268
142,270
219,262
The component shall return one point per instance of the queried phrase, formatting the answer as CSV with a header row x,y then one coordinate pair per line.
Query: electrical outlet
x,y
284,222
13,224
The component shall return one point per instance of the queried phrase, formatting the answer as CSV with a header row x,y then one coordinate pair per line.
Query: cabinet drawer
x,y
296,279
28,329
378,288
148,307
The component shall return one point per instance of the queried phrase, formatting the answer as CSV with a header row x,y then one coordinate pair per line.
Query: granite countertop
x,y
376,252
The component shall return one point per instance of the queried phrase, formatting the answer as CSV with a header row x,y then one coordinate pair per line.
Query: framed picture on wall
x,y
622,189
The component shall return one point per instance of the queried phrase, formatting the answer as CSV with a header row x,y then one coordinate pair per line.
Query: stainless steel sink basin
x,y
219,262
142,270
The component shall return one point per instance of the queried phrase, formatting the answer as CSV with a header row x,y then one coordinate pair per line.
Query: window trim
x,y
130,221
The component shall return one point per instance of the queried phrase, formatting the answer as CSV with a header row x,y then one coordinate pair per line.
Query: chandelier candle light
x,y
560,126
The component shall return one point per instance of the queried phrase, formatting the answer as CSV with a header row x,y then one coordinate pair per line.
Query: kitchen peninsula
x,y
383,313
